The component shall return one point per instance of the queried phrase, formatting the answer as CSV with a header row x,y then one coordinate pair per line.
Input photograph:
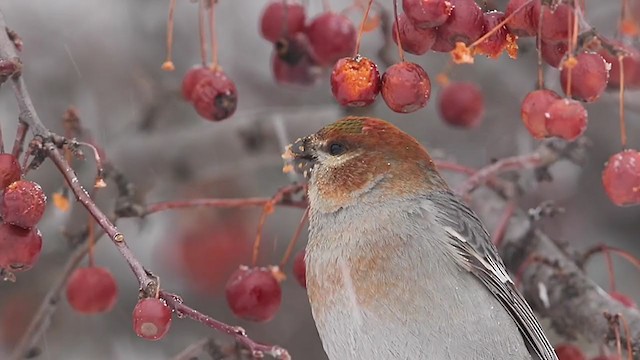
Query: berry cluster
x,y
21,207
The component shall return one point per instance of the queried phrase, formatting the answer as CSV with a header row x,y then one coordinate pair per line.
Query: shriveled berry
x,y
299,269
589,77
414,40
621,178
332,36
498,40
253,294
355,81
19,248
461,104
91,290
556,23
282,18
623,299
191,78
151,318
406,87
23,204
553,53
525,21
215,96
569,352
566,119
427,13
465,24
303,73
533,111
293,48
9,170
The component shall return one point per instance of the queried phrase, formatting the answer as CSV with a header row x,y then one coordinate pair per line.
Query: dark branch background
x,y
104,58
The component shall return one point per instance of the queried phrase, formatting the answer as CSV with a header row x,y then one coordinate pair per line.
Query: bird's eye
x,y
336,149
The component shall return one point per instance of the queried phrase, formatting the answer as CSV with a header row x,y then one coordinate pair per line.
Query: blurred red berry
x,y
556,23
254,294
151,318
427,13
533,111
465,24
215,96
499,40
566,119
9,170
304,73
332,36
414,40
525,21
299,269
553,53
293,49
569,352
623,299
589,77
630,62
19,248
621,178
191,78
92,290
355,81
405,87
282,18
23,204
461,104
607,357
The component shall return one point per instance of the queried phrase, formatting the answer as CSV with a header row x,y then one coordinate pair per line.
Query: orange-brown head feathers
x,y
349,158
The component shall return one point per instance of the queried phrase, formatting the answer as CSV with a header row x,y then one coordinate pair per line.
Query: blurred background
x,y
104,58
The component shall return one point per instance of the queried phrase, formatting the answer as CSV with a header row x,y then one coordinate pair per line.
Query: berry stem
x,y
627,335
1,141
503,223
168,63
539,48
294,239
202,33
361,31
21,134
326,6
91,238
397,25
623,127
610,271
497,27
212,35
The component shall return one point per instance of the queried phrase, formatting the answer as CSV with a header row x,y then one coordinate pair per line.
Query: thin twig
x,y
18,144
218,203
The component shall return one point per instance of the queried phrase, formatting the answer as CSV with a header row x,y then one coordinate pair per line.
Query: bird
x,y
397,265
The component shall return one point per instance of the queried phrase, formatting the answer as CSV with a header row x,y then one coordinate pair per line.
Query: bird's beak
x,y
300,156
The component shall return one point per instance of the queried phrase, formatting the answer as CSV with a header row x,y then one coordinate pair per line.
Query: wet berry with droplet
x,y
355,81
589,77
414,40
191,78
91,290
406,87
253,294
465,24
299,269
623,299
151,318
566,119
332,36
23,204
556,23
533,111
499,40
215,96
621,178
282,18
461,104
19,248
427,13
9,170
569,352
525,21
553,53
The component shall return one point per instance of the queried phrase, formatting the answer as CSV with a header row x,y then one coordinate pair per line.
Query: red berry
x,y
427,13
623,299
92,290
621,178
589,77
293,49
607,357
405,87
151,318
414,40
191,78
556,23
566,119
569,352
525,21
19,248
553,53
630,62
332,36
355,81
304,73
215,96
461,104
282,18
533,111
9,170
497,41
23,204
254,294
299,269
465,24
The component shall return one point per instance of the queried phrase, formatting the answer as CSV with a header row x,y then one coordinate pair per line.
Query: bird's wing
x,y
472,248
